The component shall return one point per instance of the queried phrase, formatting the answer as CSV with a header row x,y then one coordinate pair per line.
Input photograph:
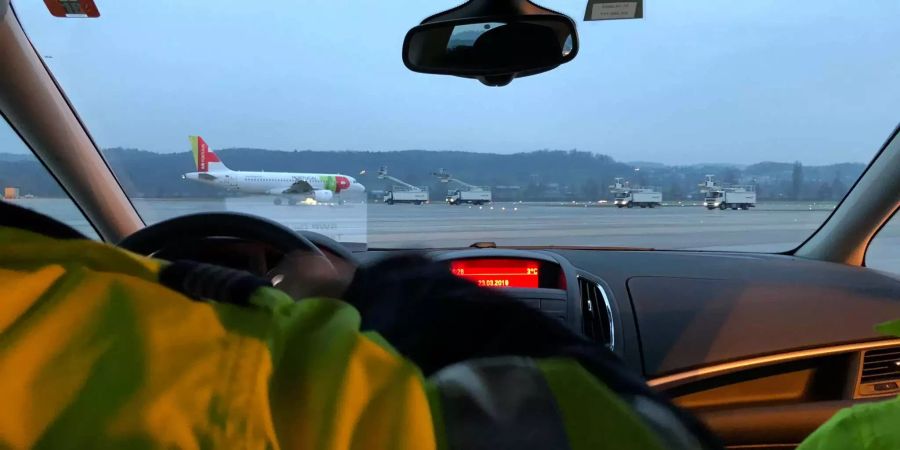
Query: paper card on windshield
x,y
614,9
72,8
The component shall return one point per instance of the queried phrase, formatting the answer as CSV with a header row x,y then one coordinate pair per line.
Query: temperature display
x,y
498,273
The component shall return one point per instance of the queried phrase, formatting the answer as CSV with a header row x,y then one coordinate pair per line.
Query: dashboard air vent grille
x,y
596,312
881,365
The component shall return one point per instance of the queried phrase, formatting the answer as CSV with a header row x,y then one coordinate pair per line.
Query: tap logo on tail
x,y
204,158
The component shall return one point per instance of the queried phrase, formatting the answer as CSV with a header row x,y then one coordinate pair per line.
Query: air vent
x,y
881,365
596,312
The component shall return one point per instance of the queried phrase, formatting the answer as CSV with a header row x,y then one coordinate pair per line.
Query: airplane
x,y
286,186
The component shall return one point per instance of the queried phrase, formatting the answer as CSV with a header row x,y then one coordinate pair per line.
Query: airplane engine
x,y
323,195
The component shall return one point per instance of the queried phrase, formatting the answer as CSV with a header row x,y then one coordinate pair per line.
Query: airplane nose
x,y
358,187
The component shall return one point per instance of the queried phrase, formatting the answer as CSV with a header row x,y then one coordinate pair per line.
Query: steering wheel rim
x,y
154,238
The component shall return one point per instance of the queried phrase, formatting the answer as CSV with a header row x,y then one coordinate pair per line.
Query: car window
x,y
26,182
698,127
884,250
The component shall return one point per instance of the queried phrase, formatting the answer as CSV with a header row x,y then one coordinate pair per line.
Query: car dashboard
x,y
763,348
748,342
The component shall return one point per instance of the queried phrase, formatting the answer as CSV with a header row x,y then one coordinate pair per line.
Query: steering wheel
x,y
153,238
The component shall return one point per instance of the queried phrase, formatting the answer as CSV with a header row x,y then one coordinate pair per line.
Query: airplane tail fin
x,y
204,158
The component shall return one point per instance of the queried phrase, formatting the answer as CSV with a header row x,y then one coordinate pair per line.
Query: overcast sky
x,y
694,81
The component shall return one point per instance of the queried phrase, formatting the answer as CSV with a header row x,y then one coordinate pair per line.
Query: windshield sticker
x,y
72,8
613,9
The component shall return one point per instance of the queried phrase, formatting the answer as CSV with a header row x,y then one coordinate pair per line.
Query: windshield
x,y
303,112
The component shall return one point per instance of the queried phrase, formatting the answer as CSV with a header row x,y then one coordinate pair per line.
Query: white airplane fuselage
x,y
275,183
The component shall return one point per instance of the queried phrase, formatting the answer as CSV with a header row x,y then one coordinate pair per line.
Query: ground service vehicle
x,y
395,196
401,191
466,193
727,197
630,196
470,196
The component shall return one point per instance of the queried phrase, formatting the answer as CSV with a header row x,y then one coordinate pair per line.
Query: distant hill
x,y
538,175
15,157
30,176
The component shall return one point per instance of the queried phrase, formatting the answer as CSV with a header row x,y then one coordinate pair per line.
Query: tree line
x,y
547,175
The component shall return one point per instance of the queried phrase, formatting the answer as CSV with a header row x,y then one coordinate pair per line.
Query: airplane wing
x,y
299,187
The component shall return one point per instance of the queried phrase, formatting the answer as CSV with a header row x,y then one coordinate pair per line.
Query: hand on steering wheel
x,y
303,275
303,272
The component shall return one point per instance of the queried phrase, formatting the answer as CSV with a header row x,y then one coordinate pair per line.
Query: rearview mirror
x,y
520,41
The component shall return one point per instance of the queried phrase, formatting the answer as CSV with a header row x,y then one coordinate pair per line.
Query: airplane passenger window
x,y
24,181
884,250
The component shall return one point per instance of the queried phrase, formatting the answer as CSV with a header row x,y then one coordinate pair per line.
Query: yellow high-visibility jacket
x,y
95,353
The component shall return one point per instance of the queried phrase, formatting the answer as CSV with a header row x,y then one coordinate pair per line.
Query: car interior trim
x,y
749,363
609,312
39,111
845,235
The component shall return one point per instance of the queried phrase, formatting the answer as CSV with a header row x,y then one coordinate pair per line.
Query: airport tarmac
x,y
771,227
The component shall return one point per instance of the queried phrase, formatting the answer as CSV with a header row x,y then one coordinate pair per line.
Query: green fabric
x,y
869,426
437,416
594,416
891,328
98,354
25,250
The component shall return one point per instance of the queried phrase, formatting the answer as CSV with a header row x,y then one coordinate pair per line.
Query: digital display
x,y
498,273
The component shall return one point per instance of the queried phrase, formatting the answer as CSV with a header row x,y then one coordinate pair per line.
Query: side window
x,y
24,181
884,250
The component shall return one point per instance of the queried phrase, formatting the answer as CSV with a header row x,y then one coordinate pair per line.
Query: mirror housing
x,y
494,41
